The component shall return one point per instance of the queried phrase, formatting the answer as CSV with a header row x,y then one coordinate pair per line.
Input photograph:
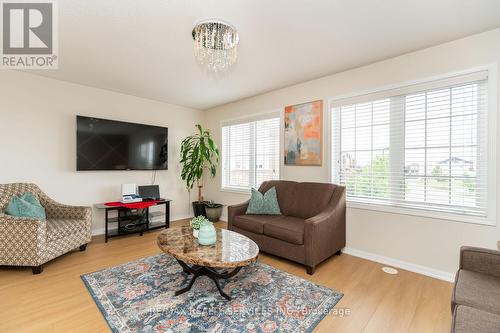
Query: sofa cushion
x,y
264,203
477,290
285,190
310,199
61,228
26,205
289,229
467,319
253,223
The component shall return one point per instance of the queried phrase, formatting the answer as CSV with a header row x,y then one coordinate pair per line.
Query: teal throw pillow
x,y
25,206
264,204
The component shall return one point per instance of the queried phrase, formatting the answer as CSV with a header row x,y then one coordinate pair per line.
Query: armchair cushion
x,y
287,228
467,320
61,228
25,206
477,290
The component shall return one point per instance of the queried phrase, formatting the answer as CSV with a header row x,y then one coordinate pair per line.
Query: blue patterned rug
x,y
139,297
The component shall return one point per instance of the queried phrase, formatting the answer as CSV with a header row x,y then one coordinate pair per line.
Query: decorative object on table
x,y
207,234
213,211
199,154
215,44
264,204
303,134
196,223
35,241
138,296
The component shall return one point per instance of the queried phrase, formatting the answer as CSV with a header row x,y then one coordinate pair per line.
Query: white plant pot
x,y
195,233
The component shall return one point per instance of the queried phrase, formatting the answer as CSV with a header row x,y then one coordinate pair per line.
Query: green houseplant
x,y
199,155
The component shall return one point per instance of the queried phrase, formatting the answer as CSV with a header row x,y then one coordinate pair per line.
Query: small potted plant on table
x,y
213,211
196,223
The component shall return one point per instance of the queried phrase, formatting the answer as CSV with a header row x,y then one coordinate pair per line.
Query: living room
x,y
247,166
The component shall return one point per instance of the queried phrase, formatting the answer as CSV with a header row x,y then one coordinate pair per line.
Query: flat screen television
x,y
103,144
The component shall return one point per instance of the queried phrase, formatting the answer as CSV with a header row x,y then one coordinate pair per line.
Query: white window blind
x,y
422,147
250,152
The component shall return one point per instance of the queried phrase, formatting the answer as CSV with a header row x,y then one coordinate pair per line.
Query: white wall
x,y
38,140
407,240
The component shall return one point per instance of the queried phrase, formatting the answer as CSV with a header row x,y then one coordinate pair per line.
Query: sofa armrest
x,y
60,211
324,234
235,210
21,240
480,260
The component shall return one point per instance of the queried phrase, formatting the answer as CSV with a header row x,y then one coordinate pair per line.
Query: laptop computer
x,y
149,192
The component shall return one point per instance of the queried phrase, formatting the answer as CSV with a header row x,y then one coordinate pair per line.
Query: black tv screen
x,y
116,145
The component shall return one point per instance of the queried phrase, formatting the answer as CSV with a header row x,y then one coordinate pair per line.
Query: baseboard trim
x,y
427,271
101,231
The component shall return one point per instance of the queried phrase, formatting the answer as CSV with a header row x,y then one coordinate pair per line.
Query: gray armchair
x,y
476,295
32,242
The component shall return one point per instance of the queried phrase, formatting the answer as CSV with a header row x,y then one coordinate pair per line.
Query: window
x,y
421,148
250,152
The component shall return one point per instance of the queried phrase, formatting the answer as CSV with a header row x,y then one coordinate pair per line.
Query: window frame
x,y
391,207
248,119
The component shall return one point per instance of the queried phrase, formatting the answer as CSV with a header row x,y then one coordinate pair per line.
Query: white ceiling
x,y
144,48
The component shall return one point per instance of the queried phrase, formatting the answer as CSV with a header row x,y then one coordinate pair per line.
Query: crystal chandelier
x,y
215,44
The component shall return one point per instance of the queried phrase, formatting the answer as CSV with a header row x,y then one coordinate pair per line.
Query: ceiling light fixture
x,y
216,44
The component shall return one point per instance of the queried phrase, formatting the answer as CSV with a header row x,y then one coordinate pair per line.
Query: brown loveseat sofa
x,y
476,295
311,229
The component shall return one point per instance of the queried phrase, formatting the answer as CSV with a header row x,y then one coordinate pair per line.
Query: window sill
x,y
422,213
237,190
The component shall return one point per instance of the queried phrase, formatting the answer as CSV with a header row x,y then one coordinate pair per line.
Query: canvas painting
x,y
303,133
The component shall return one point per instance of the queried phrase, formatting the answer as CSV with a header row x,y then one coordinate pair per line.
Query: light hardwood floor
x,y
57,300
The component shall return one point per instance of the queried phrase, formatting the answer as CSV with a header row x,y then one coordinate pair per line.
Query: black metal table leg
x,y
206,271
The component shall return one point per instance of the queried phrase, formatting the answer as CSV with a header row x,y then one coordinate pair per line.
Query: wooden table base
x,y
206,271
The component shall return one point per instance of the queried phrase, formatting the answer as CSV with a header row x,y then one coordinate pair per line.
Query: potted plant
x,y
199,154
196,223
213,210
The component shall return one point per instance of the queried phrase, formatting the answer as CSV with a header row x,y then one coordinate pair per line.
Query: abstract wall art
x,y
303,133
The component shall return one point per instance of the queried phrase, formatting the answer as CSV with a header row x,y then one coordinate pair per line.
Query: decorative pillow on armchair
x,y
264,204
26,205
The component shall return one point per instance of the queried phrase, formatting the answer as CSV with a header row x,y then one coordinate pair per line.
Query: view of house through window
x,y
424,149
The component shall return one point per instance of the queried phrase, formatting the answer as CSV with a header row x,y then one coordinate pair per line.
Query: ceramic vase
x,y
207,234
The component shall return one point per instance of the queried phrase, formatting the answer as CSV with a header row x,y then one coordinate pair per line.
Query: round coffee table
x,y
223,260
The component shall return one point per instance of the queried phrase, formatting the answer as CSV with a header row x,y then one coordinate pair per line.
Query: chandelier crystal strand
x,y
215,44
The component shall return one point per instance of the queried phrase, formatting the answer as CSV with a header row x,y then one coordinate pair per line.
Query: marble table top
x,y
231,249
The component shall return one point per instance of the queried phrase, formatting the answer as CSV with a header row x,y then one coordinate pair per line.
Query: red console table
x,y
132,218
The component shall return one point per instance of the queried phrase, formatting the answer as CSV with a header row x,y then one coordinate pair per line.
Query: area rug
x,y
139,297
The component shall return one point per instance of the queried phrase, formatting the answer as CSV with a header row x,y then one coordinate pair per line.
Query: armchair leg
x,y
83,247
310,270
37,269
